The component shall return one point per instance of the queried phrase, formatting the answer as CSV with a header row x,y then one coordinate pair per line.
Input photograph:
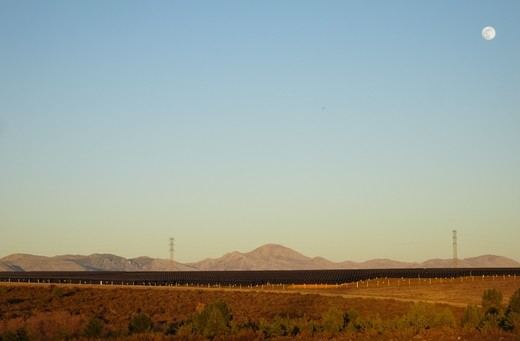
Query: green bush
x,y
57,292
332,321
491,301
185,331
514,302
140,323
472,317
513,321
294,330
375,324
352,321
425,316
506,322
94,328
247,325
309,328
213,320
265,328
279,327
510,320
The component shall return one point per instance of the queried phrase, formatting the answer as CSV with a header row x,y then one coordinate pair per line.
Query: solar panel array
x,y
245,277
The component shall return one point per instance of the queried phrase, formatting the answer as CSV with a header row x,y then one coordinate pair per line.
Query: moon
x,y
489,33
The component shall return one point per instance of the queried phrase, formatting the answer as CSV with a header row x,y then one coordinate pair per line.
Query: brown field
x,y
452,291
47,312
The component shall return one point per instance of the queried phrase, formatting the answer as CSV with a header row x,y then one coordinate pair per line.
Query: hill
x,y
266,257
94,262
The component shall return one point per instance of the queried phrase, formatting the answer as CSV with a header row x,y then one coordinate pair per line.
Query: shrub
x,y
185,331
140,323
491,301
472,317
352,321
376,324
514,303
213,320
506,322
333,321
174,327
19,335
425,316
308,328
295,330
94,328
57,292
15,300
247,325
511,319
279,327
514,320
265,328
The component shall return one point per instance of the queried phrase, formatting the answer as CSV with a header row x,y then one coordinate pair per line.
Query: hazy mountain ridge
x,y
94,262
266,257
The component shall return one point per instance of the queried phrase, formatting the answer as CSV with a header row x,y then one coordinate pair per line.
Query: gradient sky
x,y
346,129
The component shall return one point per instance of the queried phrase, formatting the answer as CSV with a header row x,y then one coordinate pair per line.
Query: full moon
x,y
489,33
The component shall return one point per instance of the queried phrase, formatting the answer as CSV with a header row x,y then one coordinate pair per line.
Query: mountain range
x,y
266,257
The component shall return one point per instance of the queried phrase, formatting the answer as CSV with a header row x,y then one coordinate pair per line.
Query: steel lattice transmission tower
x,y
172,250
455,256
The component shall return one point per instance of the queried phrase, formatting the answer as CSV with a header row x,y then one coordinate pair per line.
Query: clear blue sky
x,y
346,129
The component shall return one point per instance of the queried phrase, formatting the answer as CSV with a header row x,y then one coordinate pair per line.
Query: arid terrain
x,y
385,309
453,291
265,257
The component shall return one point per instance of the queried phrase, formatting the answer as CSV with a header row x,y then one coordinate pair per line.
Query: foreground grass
x,y
44,312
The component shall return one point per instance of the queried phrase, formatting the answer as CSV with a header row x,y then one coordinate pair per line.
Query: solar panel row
x,y
246,277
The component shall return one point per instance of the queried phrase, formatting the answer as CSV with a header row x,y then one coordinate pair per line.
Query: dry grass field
x,y
453,291
383,310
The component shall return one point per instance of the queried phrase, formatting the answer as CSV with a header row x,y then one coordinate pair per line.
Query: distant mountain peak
x,y
276,250
272,246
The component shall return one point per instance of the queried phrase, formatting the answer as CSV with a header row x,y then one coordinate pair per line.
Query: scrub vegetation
x,y
42,312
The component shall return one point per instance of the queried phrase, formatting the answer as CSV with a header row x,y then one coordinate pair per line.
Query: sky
x,y
346,129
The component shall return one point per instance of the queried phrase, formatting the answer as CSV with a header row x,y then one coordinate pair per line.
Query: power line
x,y
172,251
455,255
